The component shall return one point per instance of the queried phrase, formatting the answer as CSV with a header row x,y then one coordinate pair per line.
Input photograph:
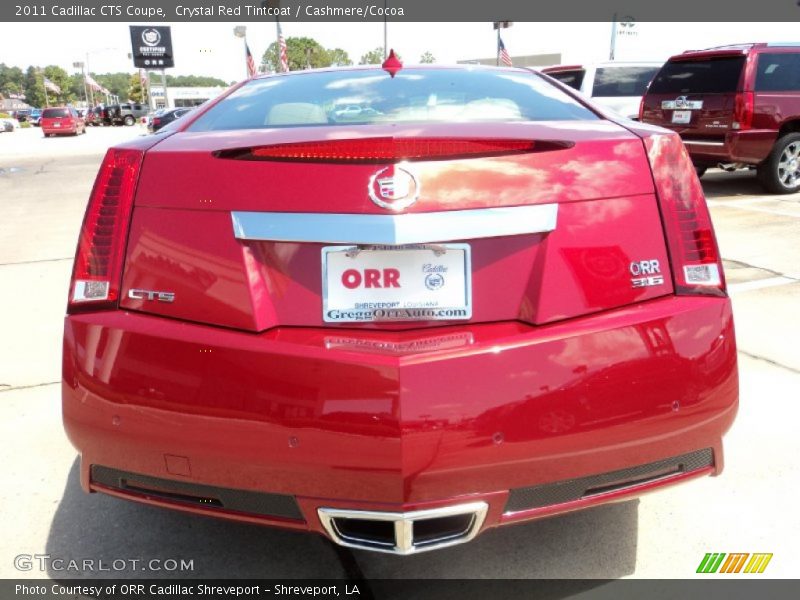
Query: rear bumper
x,y
748,147
401,421
60,130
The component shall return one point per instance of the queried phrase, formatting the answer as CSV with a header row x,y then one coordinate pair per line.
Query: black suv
x,y
124,114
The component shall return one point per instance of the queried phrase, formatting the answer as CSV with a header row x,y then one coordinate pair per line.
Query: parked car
x,y
90,117
615,85
63,120
734,107
124,114
492,303
6,126
35,117
157,121
22,114
9,119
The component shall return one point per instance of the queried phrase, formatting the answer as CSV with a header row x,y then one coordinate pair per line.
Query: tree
x,y
61,78
427,58
136,92
373,57
194,81
12,79
34,90
339,58
301,51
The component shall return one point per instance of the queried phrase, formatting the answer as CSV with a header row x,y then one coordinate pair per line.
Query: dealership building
x,y
178,97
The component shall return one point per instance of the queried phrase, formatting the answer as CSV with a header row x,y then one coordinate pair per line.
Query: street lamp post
x,y
80,65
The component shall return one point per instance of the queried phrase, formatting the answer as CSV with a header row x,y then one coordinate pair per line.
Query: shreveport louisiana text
x,y
166,590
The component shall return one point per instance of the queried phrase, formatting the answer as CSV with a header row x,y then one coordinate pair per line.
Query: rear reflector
x,y
696,265
389,149
743,111
98,260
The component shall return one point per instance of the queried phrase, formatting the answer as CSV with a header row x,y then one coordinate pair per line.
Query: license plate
x,y
396,283
682,117
56,124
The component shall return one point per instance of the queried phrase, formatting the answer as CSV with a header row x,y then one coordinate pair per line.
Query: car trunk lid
x,y
584,195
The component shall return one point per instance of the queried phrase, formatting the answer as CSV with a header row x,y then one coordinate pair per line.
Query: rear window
x,y
573,79
778,72
613,82
55,113
372,96
712,76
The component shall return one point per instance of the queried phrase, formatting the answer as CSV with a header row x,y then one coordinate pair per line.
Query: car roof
x,y
416,67
732,50
601,65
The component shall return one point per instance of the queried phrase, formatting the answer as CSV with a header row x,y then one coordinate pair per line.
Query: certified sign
x,y
396,283
152,47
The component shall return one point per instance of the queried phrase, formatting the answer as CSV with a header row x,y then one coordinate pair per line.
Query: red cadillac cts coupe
x,y
397,307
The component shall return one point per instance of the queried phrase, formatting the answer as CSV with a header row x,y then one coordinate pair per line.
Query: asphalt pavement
x,y
44,185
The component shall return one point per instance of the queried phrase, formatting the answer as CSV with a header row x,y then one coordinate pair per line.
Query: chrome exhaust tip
x,y
404,533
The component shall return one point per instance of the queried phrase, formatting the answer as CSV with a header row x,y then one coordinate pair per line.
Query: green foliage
x,y
135,92
34,90
25,124
194,81
427,58
303,52
30,82
12,80
373,57
339,58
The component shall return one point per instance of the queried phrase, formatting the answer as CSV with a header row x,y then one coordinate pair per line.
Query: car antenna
x,y
392,64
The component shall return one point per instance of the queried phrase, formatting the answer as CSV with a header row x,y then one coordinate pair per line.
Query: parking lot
x,y
44,185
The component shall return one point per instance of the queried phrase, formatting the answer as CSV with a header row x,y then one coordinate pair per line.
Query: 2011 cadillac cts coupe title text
x,y
397,307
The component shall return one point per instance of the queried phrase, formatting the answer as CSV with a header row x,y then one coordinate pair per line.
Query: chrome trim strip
x,y
404,527
701,143
394,230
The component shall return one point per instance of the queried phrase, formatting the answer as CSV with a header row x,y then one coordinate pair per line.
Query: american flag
x,y
90,81
251,65
51,86
502,52
282,50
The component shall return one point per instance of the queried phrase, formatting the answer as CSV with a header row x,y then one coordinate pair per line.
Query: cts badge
x,y
646,273
151,295
394,187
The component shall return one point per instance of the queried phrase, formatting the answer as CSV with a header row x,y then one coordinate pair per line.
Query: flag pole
x,y
613,50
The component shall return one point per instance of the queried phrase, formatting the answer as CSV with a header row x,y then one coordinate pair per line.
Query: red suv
x,y
62,121
734,107
476,301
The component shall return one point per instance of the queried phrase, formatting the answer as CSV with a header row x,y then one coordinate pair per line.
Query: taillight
x,y
98,259
390,149
743,107
695,259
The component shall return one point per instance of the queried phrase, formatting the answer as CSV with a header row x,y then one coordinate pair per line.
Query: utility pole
x,y
613,50
80,65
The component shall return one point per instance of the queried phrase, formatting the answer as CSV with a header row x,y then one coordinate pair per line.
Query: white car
x,y
618,86
14,123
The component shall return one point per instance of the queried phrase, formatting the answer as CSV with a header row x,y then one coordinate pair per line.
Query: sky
x,y
211,48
